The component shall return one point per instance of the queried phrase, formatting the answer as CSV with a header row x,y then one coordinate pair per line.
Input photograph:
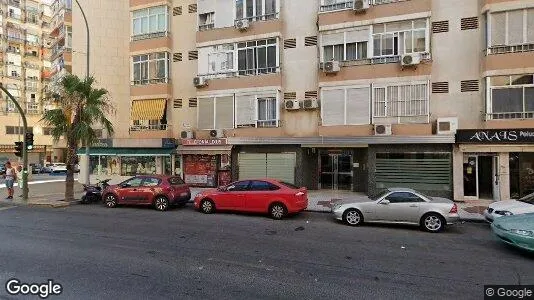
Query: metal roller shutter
x,y
279,166
419,174
252,165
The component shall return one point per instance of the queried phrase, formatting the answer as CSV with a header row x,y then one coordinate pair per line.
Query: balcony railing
x,y
33,111
150,81
509,49
16,39
151,35
15,16
376,60
258,18
12,50
156,127
337,6
205,27
510,115
15,3
248,72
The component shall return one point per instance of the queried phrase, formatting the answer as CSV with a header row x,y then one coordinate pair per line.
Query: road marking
x,y
5,208
37,182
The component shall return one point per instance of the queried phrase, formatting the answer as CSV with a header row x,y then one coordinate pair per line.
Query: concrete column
x,y
83,176
173,164
159,165
504,175
458,173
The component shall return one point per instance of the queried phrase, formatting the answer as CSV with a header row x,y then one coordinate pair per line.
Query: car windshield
x,y
528,199
379,195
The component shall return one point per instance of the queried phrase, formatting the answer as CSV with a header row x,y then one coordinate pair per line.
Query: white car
x,y
58,168
398,206
510,207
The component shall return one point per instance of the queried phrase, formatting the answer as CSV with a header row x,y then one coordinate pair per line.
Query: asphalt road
x,y
139,253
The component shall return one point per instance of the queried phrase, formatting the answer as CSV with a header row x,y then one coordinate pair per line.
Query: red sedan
x,y
277,198
159,191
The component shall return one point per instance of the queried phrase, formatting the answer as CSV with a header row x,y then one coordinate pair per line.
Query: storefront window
x,y
138,165
98,165
167,165
521,174
178,165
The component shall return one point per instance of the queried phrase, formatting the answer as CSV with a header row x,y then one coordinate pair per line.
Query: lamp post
x,y
86,176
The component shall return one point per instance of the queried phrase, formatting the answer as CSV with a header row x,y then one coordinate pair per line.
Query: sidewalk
x,y
322,201
50,194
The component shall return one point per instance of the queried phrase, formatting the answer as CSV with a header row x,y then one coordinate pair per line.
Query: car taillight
x,y
454,209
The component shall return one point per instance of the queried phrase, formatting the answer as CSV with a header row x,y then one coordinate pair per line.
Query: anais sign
x,y
203,142
495,136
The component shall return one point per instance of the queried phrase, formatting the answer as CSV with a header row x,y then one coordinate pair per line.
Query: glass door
x,y
336,171
470,176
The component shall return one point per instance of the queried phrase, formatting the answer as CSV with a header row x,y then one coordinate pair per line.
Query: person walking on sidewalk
x,y
9,177
19,178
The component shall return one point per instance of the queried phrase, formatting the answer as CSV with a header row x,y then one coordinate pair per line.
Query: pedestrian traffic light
x,y
29,141
18,149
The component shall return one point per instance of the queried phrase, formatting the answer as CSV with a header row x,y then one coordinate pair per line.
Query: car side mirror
x,y
385,202
221,188
124,185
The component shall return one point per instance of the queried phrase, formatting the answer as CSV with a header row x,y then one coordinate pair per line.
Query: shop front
x,y
495,164
206,162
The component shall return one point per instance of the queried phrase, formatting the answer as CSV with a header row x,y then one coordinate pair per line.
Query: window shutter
x,y
357,36
515,27
333,107
469,23
310,41
358,106
530,25
245,110
206,109
440,87
290,43
498,29
469,86
224,112
440,26
332,39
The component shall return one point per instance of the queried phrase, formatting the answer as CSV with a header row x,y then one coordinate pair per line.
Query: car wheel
x,y
207,206
433,222
352,217
111,201
161,203
277,211
84,200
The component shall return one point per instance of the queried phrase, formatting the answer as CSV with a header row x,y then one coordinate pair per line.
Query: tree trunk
x,y
71,158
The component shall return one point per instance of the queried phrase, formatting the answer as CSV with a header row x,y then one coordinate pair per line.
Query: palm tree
x,y
79,106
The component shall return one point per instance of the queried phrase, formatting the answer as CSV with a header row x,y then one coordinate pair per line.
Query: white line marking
x,y
39,182
4,208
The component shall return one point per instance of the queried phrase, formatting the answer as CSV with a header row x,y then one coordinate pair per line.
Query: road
x,y
139,253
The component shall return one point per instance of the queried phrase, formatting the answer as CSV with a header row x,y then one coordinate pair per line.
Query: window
x,y
257,185
512,97
137,165
256,10
216,112
151,68
257,57
149,22
403,197
238,186
267,112
345,106
405,100
134,182
398,38
206,21
151,181
221,59
17,130
510,28
330,5
345,46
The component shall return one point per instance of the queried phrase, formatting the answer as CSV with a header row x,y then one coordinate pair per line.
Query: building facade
x,y
327,94
25,58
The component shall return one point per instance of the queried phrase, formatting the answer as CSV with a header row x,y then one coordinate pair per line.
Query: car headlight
x,y
198,195
523,232
503,212
336,207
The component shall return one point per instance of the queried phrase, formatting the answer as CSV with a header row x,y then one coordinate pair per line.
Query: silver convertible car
x,y
398,206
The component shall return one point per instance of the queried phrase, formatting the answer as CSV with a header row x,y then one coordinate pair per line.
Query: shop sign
x,y
495,136
103,143
203,142
168,143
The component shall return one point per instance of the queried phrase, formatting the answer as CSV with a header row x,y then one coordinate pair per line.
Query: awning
x,y
152,109
207,150
128,151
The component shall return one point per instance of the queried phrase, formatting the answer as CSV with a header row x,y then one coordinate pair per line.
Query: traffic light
x,y
18,149
29,141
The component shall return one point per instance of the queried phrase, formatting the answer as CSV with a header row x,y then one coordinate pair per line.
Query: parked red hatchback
x,y
277,198
159,191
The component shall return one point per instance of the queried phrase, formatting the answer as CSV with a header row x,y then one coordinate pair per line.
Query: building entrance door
x,y
336,171
481,177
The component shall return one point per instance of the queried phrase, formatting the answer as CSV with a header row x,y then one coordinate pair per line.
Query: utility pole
x,y
24,149
86,176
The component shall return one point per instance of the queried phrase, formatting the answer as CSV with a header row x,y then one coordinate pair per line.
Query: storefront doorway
x,y
336,171
481,176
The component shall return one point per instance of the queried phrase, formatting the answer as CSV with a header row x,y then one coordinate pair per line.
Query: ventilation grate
x,y
469,23
469,86
177,103
310,41
193,55
176,57
193,102
290,43
177,11
290,96
440,87
310,94
440,26
192,8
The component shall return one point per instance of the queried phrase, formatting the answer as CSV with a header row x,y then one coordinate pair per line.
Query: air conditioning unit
x,y
360,6
410,59
242,24
382,129
187,134
292,104
310,103
217,133
200,81
331,67
447,125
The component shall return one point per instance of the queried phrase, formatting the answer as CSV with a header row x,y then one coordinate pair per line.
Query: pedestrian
x,y
19,178
9,177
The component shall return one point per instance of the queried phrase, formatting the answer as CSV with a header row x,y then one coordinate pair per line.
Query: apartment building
x,y
329,94
25,72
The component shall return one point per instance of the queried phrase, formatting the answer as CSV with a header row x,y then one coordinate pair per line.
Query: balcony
x,y
205,27
157,131
266,17
337,6
147,36
377,60
14,16
238,73
509,49
510,115
16,39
